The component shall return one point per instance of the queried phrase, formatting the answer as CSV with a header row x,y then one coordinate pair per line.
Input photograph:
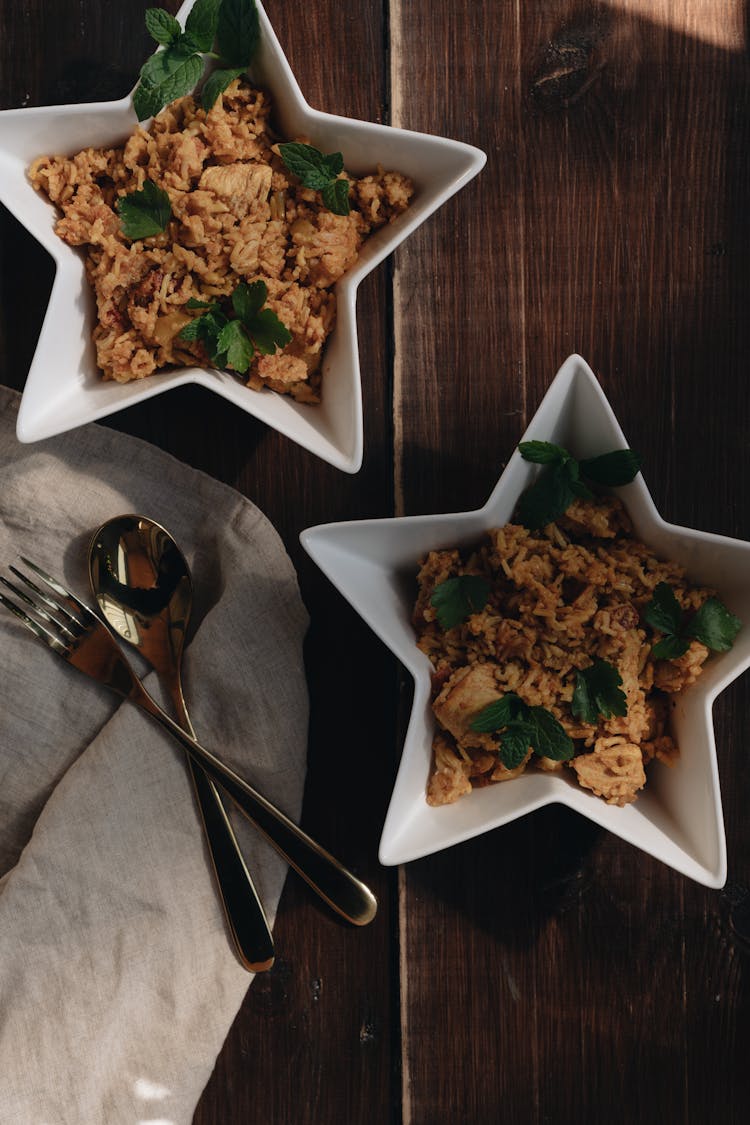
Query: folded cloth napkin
x,y
118,982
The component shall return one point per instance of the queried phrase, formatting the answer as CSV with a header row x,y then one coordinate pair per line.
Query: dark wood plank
x,y
317,1039
550,972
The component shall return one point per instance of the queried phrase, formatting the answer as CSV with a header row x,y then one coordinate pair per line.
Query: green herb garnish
x,y
179,67
560,483
598,691
318,172
521,727
144,213
457,598
234,342
713,625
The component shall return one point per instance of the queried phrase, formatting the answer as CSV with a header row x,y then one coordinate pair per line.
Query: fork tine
x,y
37,629
59,589
38,610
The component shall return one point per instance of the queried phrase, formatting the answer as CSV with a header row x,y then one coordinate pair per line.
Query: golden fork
x,y
76,634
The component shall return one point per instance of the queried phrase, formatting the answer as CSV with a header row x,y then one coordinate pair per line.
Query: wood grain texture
x,y
546,972
579,979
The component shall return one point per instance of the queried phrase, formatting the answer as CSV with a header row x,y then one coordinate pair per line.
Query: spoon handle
x,y
242,907
327,877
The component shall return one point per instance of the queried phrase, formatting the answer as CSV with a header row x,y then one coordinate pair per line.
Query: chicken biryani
x,y
238,217
555,603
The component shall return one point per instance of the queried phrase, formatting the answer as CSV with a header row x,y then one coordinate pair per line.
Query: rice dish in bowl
x,y
65,388
237,215
677,817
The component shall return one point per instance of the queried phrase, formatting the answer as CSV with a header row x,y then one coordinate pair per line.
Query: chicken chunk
x,y
243,187
449,779
613,770
466,693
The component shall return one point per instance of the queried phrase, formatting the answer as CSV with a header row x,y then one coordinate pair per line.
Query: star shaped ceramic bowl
x,y
373,563
64,388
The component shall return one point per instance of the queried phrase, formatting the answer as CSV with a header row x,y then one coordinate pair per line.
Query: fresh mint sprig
x,y
318,172
521,727
598,691
144,213
560,483
234,342
233,25
457,598
713,625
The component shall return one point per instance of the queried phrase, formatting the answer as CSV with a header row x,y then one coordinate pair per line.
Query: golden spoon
x,y
142,584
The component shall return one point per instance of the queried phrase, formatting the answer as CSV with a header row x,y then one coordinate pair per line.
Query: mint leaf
x,y
572,471
543,452
268,332
598,692
336,197
200,26
663,612
319,173
307,163
612,469
167,75
162,27
514,744
144,213
192,303
207,329
238,31
216,84
524,726
233,341
147,101
248,300
547,498
548,738
498,714
334,163
670,648
162,65
714,626
457,598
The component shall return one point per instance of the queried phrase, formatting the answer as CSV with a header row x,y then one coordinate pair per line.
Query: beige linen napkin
x,y
117,980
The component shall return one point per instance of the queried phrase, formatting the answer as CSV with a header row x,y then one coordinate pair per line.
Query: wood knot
x,y
569,65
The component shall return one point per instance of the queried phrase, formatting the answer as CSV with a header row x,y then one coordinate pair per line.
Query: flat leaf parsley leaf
x,y
598,691
144,213
713,625
457,598
234,342
520,727
560,483
319,173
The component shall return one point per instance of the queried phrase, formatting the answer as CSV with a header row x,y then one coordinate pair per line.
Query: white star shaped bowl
x,y
64,388
373,563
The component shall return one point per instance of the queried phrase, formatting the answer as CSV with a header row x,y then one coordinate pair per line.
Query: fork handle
x,y
343,892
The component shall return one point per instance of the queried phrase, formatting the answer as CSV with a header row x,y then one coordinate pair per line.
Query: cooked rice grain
x,y
559,599
238,215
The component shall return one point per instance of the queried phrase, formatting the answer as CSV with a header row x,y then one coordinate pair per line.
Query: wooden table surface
x,y
547,971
